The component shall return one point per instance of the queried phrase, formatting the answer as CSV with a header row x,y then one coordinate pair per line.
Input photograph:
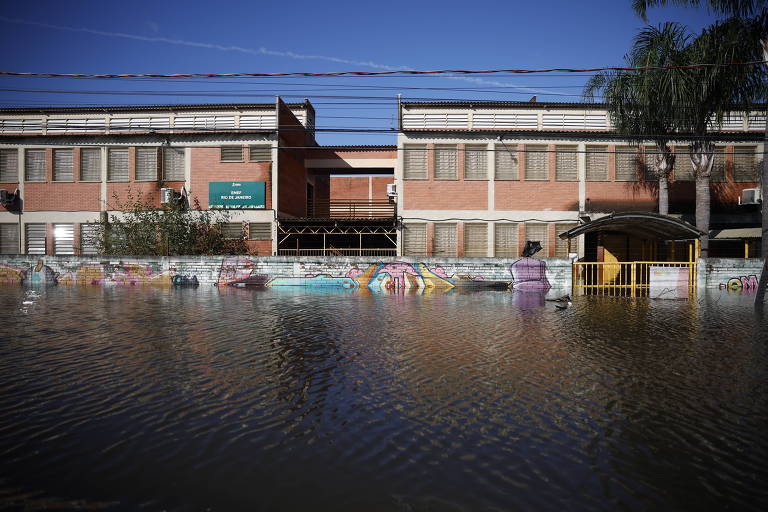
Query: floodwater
x,y
238,399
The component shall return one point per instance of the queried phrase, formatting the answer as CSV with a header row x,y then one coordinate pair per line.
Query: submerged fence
x,y
635,278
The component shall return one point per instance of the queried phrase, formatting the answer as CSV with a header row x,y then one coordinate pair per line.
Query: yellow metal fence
x,y
633,278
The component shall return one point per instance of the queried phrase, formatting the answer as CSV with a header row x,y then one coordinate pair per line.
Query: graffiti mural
x,y
743,284
529,274
238,271
11,274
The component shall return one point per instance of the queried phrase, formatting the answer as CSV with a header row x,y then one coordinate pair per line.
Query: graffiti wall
x,y
735,276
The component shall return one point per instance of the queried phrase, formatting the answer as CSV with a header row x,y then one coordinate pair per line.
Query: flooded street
x,y
259,399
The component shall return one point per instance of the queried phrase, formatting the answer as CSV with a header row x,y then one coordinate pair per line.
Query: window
x,y
536,167
649,163
9,238
566,167
173,164
444,243
538,233
446,165
9,165
718,166
744,164
505,240
597,163
64,239
561,246
260,153
415,161
260,231
475,163
476,240
90,164
117,165
506,162
683,167
62,165
415,240
626,164
35,237
88,242
34,165
146,164
231,153
232,230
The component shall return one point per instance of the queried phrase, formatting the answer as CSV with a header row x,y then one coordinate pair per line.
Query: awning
x,y
735,234
644,225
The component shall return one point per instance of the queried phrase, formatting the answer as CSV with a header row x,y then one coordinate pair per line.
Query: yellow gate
x,y
631,278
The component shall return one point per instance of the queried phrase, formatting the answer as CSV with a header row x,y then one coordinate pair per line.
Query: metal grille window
x,y
744,164
536,157
34,165
88,242
232,230
506,162
117,165
146,164
683,167
444,243
35,237
561,246
475,163
90,164
415,162
231,153
649,165
566,166
446,164
173,164
64,239
9,238
597,163
415,240
718,166
62,165
505,240
260,231
261,153
626,164
9,165
476,240
538,233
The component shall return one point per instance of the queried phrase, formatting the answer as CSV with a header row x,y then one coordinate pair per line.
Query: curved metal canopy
x,y
642,224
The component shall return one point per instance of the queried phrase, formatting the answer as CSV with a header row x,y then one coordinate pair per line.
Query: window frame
x,y
230,147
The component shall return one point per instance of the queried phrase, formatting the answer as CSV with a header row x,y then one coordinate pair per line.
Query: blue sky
x,y
253,36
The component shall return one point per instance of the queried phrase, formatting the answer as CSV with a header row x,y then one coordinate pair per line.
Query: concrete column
x,y
581,165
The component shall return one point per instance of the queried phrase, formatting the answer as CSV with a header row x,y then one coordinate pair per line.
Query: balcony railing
x,y
391,251
351,208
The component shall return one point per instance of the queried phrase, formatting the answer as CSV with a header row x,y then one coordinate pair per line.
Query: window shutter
x,y
567,169
9,165
62,165
9,238
683,167
260,153
536,162
445,240
538,232
415,161
88,242
90,164
232,230
626,164
173,164
146,164
744,164
476,240
506,162
718,167
231,153
35,238
475,163
561,246
505,240
64,239
117,165
415,240
260,231
34,165
597,163
446,165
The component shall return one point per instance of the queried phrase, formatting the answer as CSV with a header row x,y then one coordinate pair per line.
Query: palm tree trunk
x,y
702,159
663,195
664,161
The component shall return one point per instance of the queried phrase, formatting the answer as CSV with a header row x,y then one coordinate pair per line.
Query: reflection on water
x,y
235,399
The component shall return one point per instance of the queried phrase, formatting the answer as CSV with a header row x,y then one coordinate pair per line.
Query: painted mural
x,y
529,274
741,285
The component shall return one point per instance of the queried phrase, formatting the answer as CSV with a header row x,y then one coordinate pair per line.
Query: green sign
x,y
237,194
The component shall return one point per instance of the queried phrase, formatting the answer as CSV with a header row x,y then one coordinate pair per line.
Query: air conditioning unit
x,y
167,195
750,196
391,189
7,198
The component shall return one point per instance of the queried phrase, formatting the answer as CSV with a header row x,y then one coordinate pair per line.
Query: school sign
x,y
237,194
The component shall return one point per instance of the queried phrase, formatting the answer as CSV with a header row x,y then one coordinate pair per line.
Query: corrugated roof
x,y
130,108
736,233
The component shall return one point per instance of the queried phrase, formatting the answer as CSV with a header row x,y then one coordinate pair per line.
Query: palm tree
x,y
738,8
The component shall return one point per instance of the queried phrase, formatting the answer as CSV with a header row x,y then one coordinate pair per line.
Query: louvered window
x,y
231,153
718,166
505,240
232,230
446,167
538,233
88,240
476,240
444,244
90,164
9,165
64,239
744,164
649,163
9,238
62,165
475,163
260,153
415,161
35,237
597,163
260,231
173,164
506,162
415,240
117,165
34,165
536,157
561,246
146,164
626,164
567,167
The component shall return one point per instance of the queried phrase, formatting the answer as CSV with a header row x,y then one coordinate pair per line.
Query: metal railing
x,y
337,252
635,278
351,208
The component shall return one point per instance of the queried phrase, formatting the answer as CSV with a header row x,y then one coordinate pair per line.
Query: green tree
x,y
738,8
